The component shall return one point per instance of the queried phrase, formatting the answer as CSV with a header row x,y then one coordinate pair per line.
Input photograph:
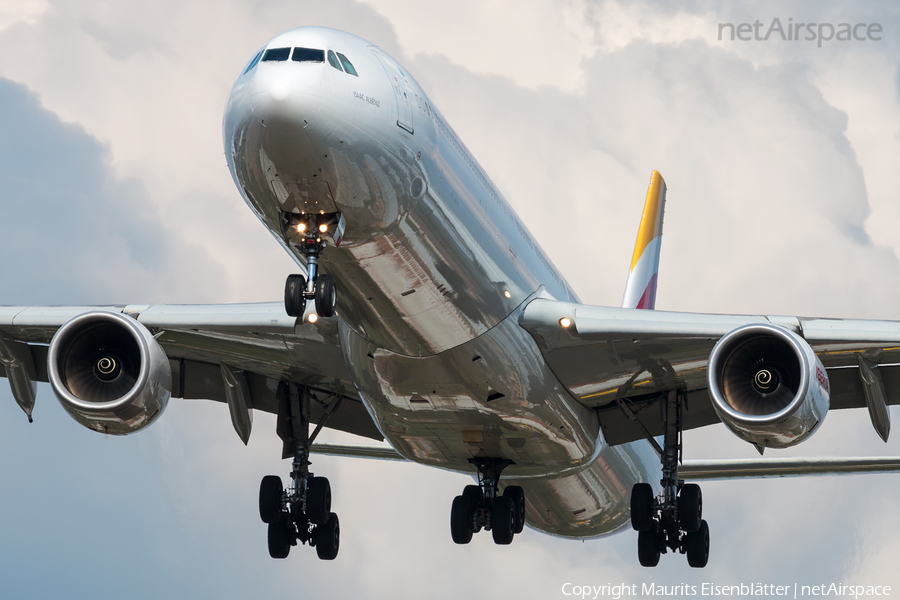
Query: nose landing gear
x,y
482,507
674,520
320,287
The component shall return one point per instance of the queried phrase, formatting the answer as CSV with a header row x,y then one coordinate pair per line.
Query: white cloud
x,y
782,199
535,42
13,12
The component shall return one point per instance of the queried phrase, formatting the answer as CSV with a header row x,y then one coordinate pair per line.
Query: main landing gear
x,y
303,511
673,520
482,507
320,287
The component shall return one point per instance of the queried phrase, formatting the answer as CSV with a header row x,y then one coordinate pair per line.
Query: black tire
x,y
270,492
642,507
696,545
328,538
473,493
648,546
279,538
294,302
461,520
517,495
502,520
474,496
318,500
690,507
326,295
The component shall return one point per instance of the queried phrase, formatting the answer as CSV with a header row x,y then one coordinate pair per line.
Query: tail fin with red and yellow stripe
x,y
640,291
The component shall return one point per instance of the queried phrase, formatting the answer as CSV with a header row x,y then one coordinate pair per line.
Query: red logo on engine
x,y
823,379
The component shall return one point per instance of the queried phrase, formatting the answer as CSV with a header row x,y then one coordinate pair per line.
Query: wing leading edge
x,y
206,346
613,359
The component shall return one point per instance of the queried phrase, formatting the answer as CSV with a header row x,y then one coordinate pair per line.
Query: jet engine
x,y
109,372
767,385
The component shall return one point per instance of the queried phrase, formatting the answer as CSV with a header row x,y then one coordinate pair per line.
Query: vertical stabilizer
x,y
640,291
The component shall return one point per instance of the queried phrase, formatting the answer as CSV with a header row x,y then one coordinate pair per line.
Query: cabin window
x,y
308,55
253,62
278,54
333,61
348,66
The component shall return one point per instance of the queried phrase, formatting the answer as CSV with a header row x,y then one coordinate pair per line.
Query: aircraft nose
x,y
286,99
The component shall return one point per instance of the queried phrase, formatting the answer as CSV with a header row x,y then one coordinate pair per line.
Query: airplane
x,y
426,315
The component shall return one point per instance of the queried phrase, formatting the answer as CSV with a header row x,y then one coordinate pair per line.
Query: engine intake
x,y
767,385
109,372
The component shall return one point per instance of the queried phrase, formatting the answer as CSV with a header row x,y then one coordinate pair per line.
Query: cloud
x,y
755,158
782,199
150,82
72,232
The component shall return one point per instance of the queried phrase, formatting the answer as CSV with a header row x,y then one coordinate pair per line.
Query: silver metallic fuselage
x,y
433,271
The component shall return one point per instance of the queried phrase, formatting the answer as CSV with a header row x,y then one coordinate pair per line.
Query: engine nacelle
x,y
109,372
767,385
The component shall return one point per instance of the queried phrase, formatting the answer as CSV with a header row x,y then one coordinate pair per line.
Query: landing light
x,y
323,227
507,294
565,322
301,227
313,317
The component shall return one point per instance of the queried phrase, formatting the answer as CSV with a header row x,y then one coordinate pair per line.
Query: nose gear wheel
x,y
318,287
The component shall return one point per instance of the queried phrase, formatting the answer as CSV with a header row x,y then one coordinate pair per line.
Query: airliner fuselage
x,y
433,269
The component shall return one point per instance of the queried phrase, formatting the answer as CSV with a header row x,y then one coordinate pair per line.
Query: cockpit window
x,y
308,55
333,61
278,54
253,62
347,65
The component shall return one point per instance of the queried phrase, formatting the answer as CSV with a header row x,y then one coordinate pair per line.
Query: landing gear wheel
x,y
279,537
642,507
473,493
294,302
474,496
326,295
270,493
696,545
328,538
517,495
690,507
648,546
502,520
318,500
461,519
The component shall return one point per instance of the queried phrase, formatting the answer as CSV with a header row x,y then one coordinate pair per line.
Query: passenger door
x,y
402,91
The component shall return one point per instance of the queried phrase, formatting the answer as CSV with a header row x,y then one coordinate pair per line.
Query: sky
x,y
780,159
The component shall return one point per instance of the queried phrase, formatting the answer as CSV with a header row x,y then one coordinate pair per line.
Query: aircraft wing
x,y
258,339
619,360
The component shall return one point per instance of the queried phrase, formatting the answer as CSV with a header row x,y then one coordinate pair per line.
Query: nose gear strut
x,y
319,287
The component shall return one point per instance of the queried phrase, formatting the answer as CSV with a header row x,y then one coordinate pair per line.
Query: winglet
x,y
640,291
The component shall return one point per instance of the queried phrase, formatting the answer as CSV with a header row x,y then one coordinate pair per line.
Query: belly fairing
x,y
493,396
435,410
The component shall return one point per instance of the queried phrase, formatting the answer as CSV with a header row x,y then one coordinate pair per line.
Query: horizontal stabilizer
x,y
785,467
